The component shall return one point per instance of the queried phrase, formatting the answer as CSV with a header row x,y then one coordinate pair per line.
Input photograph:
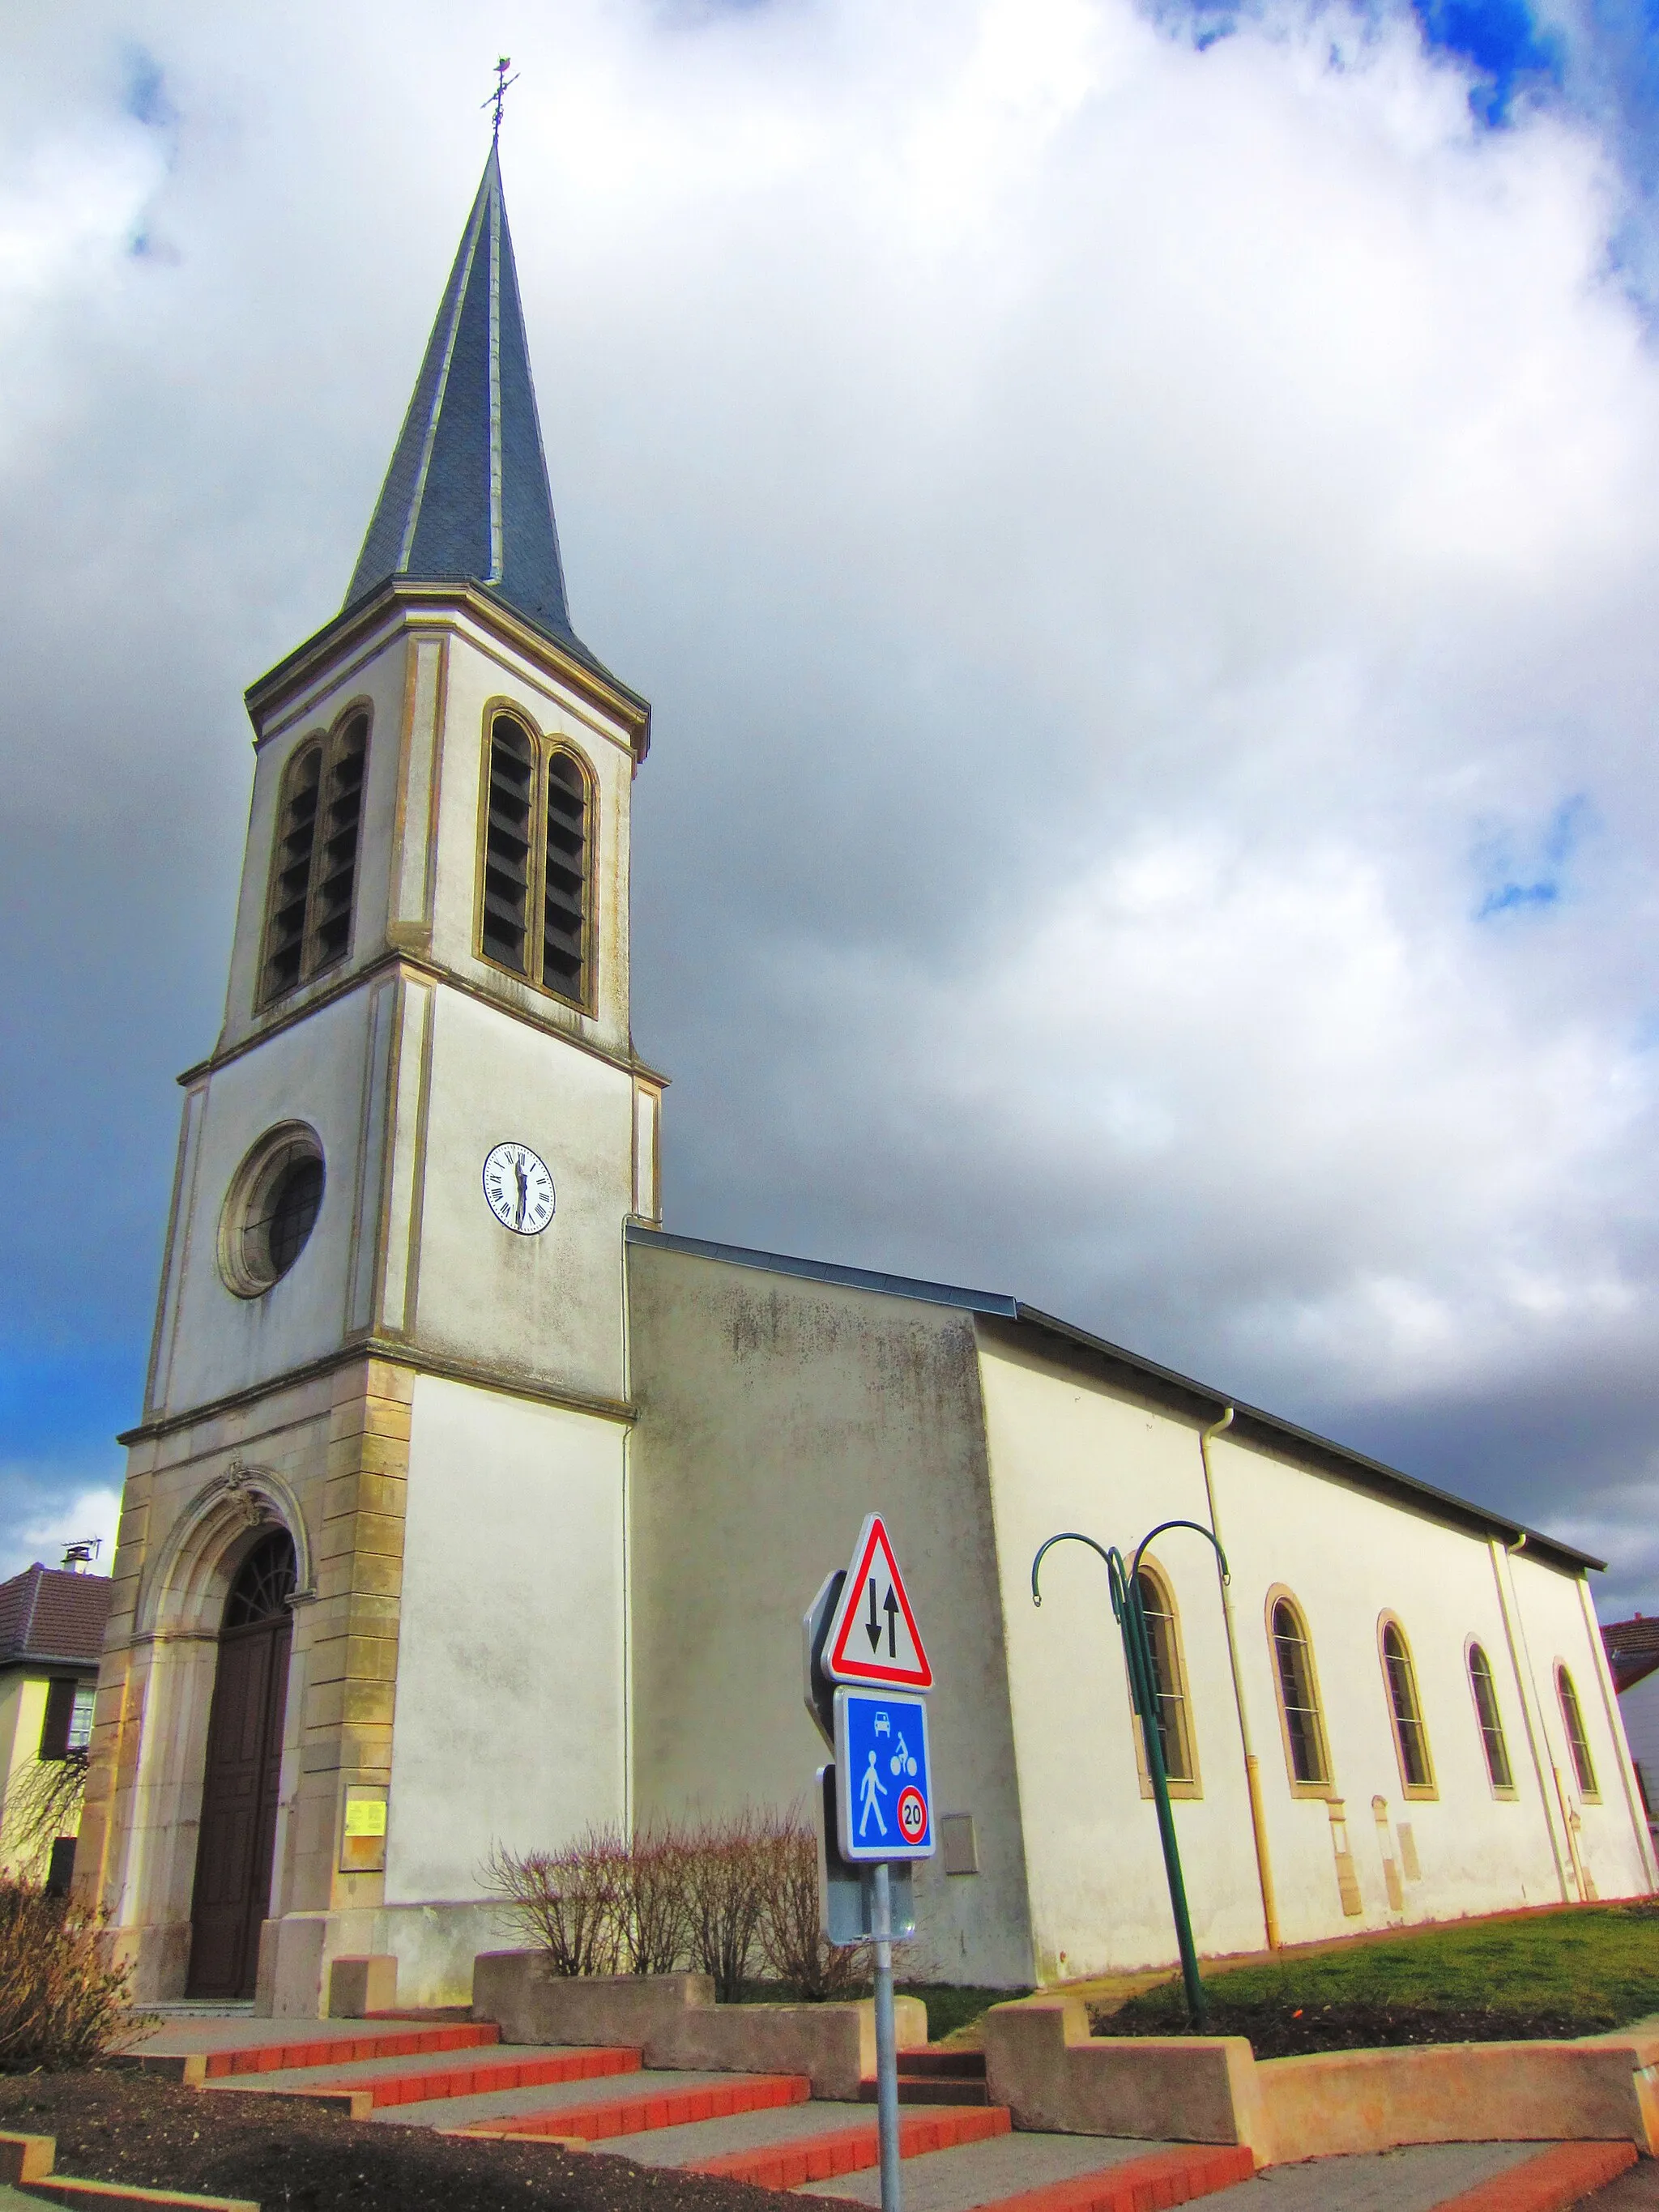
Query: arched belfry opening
x,y
232,1895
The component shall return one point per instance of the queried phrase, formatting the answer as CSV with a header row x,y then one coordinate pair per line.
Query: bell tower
x,y
392,1313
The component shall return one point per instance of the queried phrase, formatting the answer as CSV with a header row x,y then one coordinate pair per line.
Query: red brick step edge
x,y
484,2077
670,2108
351,2049
1555,2179
853,2151
1140,2185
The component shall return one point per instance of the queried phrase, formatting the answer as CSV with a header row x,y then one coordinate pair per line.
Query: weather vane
x,y
502,81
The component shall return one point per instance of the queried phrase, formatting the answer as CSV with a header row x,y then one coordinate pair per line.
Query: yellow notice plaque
x,y
362,1839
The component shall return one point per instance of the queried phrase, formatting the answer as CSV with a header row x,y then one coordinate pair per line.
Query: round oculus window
x,y
271,1209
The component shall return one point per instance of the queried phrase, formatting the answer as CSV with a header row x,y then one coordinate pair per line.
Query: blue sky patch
x,y
144,94
1531,880
1501,38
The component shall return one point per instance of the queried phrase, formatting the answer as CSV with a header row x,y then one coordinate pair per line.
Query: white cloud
x,y
39,1524
1132,548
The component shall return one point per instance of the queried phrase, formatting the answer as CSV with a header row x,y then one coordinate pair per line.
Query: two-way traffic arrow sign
x,y
873,1637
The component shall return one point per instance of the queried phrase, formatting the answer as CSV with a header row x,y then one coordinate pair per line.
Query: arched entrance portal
x,y
244,1755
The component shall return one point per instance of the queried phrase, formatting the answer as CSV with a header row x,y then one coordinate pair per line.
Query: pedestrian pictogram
x,y
884,1801
873,1637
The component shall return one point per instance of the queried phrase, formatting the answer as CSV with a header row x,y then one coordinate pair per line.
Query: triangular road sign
x,y
873,1637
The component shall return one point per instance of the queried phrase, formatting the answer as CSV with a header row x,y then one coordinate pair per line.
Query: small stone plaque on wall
x,y
362,1834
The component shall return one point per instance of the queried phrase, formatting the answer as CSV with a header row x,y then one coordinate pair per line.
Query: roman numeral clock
x,y
519,1188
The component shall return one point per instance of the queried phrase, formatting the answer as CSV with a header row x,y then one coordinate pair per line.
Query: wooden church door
x,y
244,1758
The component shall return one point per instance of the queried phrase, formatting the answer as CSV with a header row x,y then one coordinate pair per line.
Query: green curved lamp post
x,y
1130,1616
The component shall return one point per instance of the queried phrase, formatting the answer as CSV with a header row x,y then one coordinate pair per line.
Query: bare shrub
x,y
791,1939
724,1869
725,1896
60,2005
653,1914
567,1902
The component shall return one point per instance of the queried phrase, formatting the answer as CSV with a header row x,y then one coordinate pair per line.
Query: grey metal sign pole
x,y
887,2106
865,1678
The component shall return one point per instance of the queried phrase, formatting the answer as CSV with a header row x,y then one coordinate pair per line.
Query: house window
x,y
1491,1721
67,1728
314,869
1411,1738
80,1727
1306,1751
1577,1741
535,897
1174,1734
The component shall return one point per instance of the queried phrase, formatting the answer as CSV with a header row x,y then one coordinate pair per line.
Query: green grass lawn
x,y
1558,1974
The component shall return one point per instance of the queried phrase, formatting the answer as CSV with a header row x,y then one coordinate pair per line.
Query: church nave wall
x,y
1361,1844
773,1412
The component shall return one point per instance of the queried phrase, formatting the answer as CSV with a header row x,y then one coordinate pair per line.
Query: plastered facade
x,y
558,1501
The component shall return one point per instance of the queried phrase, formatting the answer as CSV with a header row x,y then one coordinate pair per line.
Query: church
x,y
469,1506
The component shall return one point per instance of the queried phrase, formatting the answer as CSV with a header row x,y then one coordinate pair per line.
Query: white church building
x,y
469,1506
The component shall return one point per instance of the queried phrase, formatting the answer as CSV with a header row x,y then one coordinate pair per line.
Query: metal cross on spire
x,y
502,81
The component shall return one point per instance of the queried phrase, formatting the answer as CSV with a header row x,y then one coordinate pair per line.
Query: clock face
x,y
519,1188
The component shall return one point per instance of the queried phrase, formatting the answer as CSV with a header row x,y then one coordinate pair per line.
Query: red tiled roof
x,y
1632,1649
48,1613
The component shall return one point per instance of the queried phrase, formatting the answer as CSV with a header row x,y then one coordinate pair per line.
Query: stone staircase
x,y
764,2129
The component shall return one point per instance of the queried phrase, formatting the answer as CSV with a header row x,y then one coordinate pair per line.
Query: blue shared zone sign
x,y
884,1787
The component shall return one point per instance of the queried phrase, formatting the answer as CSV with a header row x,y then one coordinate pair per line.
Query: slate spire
x,y
466,500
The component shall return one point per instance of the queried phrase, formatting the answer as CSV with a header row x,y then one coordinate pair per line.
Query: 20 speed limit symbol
x,y
912,1815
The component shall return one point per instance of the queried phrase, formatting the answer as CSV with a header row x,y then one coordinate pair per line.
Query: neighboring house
x,y
1633,1655
52,1637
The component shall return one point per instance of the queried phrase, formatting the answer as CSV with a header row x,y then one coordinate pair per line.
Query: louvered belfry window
x,y
313,872
507,855
536,873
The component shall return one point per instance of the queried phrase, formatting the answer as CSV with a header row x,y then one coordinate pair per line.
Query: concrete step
x,y
929,2089
826,2156
956,2065
214,2049
371,2085
1031,2173
662,2106
351,2049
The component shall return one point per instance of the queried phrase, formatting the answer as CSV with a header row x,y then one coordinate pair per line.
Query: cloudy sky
x,y
1140,524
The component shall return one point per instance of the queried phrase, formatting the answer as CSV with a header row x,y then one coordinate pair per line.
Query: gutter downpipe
x,y
1616,1730
1252,1764
1528,1686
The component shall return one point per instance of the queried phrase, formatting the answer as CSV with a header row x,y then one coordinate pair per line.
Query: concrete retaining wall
x,y
1042,2063
673,2019
1344,2101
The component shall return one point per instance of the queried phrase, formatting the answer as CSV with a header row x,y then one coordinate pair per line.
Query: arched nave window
x,y
1484,1689
536,872
1577,1741
1411,1738
313,868
1307,1753
1174,1729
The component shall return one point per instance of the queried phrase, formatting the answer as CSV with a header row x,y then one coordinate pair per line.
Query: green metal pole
x,y
1124,1583
1143,1681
